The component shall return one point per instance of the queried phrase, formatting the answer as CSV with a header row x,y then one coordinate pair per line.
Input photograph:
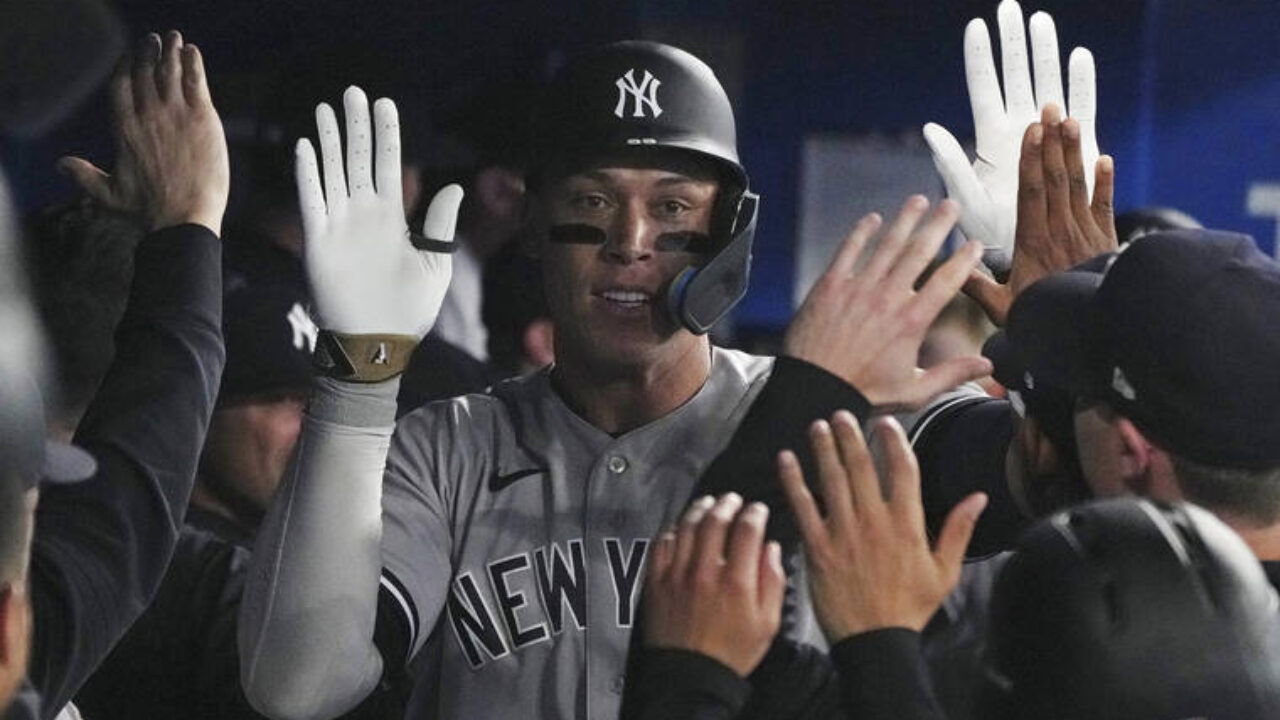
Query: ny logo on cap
x,y
304,329
645,94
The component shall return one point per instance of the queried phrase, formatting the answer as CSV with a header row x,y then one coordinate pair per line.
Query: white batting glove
x,y
366,275
987,190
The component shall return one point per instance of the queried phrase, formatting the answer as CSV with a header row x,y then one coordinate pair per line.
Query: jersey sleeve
x,y
961,441
883,676
101,547
416,537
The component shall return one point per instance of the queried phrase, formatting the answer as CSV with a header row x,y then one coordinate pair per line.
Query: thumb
x,y
945,376
442,214
91,179
990,295
955,535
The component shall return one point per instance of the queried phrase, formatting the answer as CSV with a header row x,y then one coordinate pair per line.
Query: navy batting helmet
x,y
650,98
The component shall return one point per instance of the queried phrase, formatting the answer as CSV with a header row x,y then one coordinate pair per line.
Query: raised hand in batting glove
x,y
987,189
1059,224
377,290
172,155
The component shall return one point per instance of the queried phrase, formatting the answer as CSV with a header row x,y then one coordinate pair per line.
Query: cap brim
x,y
1006,366
1049,328
65,463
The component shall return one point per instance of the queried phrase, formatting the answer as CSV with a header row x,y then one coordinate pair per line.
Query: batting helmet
x,y
646,97
1131,610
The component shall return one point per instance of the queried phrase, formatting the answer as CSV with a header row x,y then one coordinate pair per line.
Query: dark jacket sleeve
x,y
883,676
101,547
796,394
794,681
670,684
961,448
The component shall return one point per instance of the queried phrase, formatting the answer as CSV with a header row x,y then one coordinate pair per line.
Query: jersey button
x,y
617,684
617,464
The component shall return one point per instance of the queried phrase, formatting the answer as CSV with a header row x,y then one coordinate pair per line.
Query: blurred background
x,y
830,97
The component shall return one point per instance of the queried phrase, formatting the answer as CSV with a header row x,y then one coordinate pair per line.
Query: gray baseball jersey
x,y
522,530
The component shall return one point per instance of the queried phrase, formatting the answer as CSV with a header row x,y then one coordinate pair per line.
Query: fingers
x,y
122,90
990,295
746,544
442,214
956,532
88,177
806,513
957,172
386,134
1104,189
924,243
169,70
945,282
949,374
712,534
1033,214
893,240
1078,185
1056,185
687,533
831,477
335,181
660,560
985,99
1044,59
1083,101
902,469
355,107
195,84
143,82
772,582
310,197
1019,101
860,471
846,257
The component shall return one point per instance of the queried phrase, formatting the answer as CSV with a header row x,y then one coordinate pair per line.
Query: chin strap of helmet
x,y
699,296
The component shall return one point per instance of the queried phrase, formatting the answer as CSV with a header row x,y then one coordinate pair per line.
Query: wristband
x,y
362,358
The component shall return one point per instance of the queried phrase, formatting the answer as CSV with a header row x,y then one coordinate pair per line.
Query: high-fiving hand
x,y
870,566
367,276
172,155
864,321
714,586
987,189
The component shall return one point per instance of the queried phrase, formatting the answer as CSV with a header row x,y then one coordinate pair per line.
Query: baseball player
x,y
496,542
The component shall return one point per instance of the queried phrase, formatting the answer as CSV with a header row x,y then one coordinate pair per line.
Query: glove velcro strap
x,y
362,358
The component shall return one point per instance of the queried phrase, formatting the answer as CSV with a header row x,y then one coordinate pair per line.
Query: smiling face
x,y
608,299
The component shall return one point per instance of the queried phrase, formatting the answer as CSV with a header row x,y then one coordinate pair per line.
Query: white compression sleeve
x,y
307,619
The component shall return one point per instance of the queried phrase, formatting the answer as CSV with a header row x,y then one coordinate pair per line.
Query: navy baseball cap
x,y
1177,332
269,338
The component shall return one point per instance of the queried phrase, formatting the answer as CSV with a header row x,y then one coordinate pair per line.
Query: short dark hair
x,y
82,266
1248,494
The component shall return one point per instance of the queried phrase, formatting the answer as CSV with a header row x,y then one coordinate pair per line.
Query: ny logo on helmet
x,y
645,94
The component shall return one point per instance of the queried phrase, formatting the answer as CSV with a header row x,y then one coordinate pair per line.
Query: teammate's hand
x,y
172,155
864,322
1058,225
869,561
714,586
366,275
988,189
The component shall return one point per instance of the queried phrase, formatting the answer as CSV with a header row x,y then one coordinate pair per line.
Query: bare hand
x,y
1058,226
869,561
714,586
866,323
172,163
